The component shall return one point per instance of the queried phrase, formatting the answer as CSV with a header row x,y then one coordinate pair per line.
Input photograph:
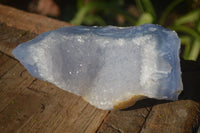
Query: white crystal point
x,y
108,66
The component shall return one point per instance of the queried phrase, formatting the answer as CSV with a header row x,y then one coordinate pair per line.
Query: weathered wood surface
x,y
28,22
161,116
31,105
171,117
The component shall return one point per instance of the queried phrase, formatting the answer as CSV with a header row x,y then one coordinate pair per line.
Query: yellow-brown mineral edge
x,y
129,102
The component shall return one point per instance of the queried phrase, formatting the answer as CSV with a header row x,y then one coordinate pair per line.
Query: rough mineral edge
x,y
110,67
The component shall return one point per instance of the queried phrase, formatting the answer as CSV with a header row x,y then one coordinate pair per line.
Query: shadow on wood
x,y
155,116
148,102
191,80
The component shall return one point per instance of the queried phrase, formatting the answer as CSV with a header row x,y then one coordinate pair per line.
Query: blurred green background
x,y
183,16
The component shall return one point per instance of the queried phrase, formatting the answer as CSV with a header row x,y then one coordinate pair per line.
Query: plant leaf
x,y
168,10
185,29
186,52
190,17
198,25
145,18
139,5
148,7
78,19
194,53
80,4
185,40
93,20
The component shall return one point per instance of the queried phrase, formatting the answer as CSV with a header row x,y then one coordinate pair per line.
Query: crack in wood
x,y
116,129
145,119
37,91
8,55
32,82
143,115
8,70
196,123
103,121
19,83
42,107
22,73
4,109
89,120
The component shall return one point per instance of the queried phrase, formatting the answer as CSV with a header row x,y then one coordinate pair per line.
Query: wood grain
x,y
30,105
28,21
6,64
178,117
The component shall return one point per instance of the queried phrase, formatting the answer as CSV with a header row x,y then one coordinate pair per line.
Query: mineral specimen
x,y
110,67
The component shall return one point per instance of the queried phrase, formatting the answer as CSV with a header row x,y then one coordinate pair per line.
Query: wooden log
x,y
10,37
175,117
30,105
160,117
180,116
6,64
11,85
28,21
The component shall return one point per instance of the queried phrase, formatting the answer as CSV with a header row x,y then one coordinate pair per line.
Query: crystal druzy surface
x,y
107,65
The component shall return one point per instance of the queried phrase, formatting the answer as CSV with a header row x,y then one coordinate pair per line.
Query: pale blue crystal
x,y
107,65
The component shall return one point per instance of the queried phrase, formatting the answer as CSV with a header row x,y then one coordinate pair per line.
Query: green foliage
x,y
191,36
145,18
145,6
104,7
102,12
168,10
